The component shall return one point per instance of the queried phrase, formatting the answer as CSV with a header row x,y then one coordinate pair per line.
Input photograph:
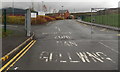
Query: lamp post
x,y
62,7
61,12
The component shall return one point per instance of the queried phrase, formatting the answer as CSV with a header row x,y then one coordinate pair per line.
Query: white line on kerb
x,y
108,47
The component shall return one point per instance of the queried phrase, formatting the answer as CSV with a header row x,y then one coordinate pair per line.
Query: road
x,y
69,45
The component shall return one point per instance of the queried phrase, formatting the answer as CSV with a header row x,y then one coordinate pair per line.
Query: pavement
x,y
100,25
14,39
69,45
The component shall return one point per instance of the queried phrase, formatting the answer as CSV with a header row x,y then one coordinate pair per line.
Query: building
x,y
82,15
16,11
64,13
109,11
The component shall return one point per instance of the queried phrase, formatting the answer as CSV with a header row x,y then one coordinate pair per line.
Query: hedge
x,y
39,20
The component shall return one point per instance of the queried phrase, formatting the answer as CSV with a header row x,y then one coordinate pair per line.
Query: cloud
x,y
71,5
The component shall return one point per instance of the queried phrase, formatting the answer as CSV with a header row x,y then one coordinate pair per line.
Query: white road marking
x,y
70,33
59,29
16,68
69,43
73,43
44,33
99,54
42,54
46,60
60,55
57,41
42,57
83,57
57,33
74,61
50,57
69,57
94,56
66,43
63,61
110,59
54,33
62,37
108,47
56,27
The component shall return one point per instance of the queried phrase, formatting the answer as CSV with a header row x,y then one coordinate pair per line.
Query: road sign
x,y
33,15
41,13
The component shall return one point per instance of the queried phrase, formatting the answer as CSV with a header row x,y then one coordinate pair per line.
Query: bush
x,y
42,19
59,18
38,20
15,19
48,18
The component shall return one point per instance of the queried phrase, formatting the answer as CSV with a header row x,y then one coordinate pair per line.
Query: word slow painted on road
x,y
62,37
76,57
53,33
67,43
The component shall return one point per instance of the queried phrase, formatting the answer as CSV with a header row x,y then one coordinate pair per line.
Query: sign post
x,y
5,20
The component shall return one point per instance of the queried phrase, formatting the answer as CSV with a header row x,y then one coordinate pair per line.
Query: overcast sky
x,y
71,5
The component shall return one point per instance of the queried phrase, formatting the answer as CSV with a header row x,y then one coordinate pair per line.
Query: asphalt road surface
x,y
69,45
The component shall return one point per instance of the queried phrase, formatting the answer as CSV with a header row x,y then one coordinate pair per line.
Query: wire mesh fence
x,y
104,16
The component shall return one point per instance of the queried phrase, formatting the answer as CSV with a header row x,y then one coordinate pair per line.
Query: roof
x,y
62,11
8,8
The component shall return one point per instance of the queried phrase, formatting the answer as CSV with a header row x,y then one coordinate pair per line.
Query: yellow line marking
x,y
118,34
3,58
14,57
21,55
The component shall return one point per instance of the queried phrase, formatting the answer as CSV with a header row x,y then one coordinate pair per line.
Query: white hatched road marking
x,y
108,47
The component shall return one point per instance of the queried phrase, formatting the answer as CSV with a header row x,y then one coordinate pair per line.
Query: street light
x,y
62,7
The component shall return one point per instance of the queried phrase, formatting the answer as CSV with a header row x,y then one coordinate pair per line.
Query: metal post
x,y
5,20
91,22
28,22
25,21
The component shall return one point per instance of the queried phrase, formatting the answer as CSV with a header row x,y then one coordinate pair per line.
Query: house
x,y
64,13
